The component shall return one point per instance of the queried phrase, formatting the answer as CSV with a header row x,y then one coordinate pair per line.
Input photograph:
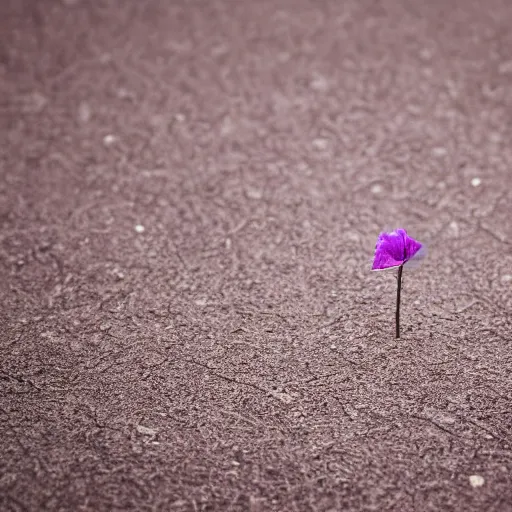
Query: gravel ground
x,y
190,195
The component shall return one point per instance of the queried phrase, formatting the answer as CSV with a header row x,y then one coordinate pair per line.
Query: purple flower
x,y
394,249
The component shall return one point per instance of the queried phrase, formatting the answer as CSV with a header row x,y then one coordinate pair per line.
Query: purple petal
x,y
411,247
394,249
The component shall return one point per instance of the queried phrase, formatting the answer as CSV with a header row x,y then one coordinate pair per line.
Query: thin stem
x,y
398,290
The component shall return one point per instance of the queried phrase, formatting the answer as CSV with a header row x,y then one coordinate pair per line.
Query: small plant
x,y
394,250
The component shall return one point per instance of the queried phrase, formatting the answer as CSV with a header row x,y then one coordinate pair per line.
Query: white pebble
x,y
320,144
35,103
141,429
84,112
108,140
505,67
254,193
439,151
425,54
376,189
454,227
476,480
139,228
476,182
319,83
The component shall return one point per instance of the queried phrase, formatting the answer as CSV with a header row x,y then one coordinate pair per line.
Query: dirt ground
x,y
190,195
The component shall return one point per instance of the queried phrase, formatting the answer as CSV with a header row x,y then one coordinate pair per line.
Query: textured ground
x,y
190,194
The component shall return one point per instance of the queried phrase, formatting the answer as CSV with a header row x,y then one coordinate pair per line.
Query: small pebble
x,y
139,228
475,182
425,54
320,144
454,227
141,429
476,480
118,274
254,193
108,140
505,67
319,83
439,151
84,112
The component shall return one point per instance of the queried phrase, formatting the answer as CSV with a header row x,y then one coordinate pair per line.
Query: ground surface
x,y
235,352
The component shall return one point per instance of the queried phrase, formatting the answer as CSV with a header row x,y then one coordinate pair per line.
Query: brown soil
x,y
190,194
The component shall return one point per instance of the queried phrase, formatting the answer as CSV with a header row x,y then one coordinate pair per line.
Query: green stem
x,y
398,290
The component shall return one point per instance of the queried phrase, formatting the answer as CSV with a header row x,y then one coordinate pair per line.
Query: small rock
x,y
118,274
439,152
476,182
105,58
425,54
146,431
320,144
124,94
506,278
35,103
139,228
108,140
227,126
505,67
319,83
376,189
476,481
84,112
253,193
495,137
447,420
283,397
454,228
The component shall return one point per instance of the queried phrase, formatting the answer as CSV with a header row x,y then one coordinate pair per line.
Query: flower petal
x,y
411,247
394,249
